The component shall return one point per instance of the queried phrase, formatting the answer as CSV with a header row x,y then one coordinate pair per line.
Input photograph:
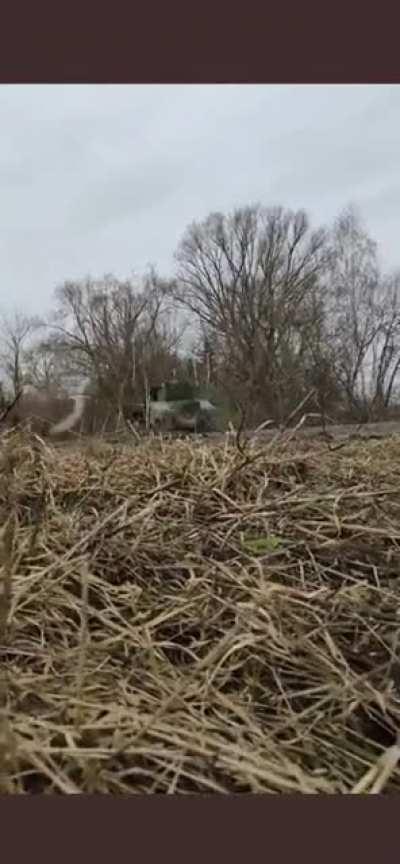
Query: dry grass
x,y
178,618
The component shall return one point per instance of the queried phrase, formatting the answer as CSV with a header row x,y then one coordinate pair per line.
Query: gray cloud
x,y
123,192
104,178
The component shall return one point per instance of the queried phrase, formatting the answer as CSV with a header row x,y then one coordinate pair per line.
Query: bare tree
x,y
247,278
45,365
15,332
353,318
385,365
115,334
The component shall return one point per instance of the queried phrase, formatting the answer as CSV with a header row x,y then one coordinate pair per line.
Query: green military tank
x,y
175,407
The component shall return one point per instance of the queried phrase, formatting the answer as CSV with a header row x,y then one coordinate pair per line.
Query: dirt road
x,y
340,432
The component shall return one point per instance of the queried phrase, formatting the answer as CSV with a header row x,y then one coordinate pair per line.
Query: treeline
x,y
263,311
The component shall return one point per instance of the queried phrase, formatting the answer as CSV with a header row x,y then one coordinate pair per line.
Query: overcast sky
x,y
98,179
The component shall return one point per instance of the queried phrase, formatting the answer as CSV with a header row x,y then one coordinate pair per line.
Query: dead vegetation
x,y
180,619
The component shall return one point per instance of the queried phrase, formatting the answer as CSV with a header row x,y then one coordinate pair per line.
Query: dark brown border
x,y
99,42
204,829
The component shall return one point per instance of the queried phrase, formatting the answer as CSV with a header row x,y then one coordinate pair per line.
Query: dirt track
x,y
332,433
366,430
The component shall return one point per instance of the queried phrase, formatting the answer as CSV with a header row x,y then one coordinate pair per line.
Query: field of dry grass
x,y
179,619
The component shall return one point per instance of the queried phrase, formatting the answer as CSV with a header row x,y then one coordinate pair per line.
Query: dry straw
x,y
179,617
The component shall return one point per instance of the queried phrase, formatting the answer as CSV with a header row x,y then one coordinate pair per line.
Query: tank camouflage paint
x,y
192,415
